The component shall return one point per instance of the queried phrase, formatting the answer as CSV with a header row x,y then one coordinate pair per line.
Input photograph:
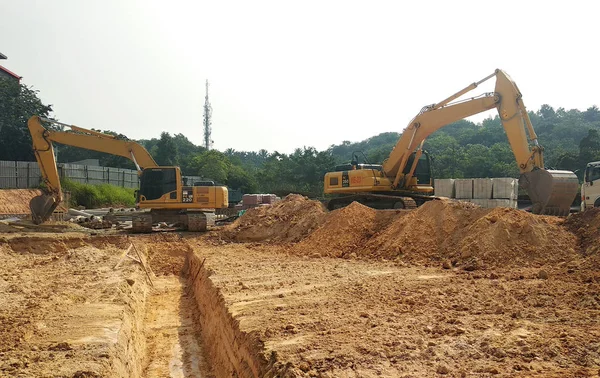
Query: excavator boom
x,y
44,205
551,192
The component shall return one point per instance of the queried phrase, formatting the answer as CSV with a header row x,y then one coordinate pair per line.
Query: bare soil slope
x,y
289,220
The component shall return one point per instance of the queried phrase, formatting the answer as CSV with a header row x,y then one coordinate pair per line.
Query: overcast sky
x,y
290,74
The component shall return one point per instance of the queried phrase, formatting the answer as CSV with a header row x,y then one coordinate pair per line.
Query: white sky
x,y
290,74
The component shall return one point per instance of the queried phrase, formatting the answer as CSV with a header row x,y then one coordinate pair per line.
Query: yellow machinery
x,y
404,179
161,198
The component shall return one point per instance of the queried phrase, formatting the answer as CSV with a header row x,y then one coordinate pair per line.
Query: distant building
x,y
5,73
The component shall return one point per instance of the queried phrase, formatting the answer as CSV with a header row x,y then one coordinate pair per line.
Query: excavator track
x,y
378,201
409,203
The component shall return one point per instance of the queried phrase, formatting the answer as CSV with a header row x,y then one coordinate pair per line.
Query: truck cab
x,y
590,190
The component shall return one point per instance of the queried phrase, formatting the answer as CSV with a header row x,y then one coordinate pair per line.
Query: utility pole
x,y
207,121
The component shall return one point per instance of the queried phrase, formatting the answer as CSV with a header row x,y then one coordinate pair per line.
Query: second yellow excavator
x,y
162,197
404,179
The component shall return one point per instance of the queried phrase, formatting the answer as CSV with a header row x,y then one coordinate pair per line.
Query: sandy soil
x,y
62,306
448,289
174,347
346,318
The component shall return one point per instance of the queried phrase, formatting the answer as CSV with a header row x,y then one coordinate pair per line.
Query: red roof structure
x,y
9,72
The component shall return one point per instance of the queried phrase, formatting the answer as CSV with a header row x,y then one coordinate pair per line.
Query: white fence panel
x,y
8,174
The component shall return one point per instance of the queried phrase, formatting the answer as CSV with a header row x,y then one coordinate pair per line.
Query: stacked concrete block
x,y
444,188
251,199
478,201
268,198
463,188
505,188
503,202
482,188
485,192
491,203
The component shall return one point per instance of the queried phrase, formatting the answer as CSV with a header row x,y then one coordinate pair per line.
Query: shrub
x,y
103,195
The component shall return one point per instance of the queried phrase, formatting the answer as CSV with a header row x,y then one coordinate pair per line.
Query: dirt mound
x,y
449,232
289,220
16,201
460,233
586,225
507,236
345,231
425,233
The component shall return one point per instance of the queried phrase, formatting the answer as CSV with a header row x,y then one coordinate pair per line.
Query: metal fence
x,y
26,174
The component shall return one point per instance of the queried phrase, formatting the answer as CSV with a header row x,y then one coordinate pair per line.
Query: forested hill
x,y
571,138
465,149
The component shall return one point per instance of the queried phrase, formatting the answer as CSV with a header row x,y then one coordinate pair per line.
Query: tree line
x,y
571,138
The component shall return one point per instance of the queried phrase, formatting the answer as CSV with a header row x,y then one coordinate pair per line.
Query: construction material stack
x,y
255,200
485,192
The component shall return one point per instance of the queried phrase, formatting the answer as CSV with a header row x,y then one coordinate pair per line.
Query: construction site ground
x,y
295,291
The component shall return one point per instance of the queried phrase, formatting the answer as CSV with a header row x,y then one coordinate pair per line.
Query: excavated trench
x,y
190,333
78,307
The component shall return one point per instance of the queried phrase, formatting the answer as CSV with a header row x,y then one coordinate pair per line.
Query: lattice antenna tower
x,y
207,121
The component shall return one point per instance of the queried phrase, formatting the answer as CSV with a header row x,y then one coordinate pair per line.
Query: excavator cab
x,y
423,169
156,182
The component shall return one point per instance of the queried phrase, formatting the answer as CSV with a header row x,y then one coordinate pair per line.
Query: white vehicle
x,y
590,190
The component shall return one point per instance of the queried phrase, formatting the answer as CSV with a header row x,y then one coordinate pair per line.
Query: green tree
x,y
568,161
212,165
166,150
592,114
17,104
238,178
589,148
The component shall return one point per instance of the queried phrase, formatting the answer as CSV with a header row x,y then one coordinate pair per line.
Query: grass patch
x,y
103,195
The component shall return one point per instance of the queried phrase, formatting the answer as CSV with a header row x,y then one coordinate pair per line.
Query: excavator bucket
x,y
42,207
551,192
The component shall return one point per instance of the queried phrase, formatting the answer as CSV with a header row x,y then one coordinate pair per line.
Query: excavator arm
x,y
551,192
43,206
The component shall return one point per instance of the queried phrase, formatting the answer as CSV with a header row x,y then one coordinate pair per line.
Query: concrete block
x,y
492,203
482,188
505,188
463,188
478,201
503,203
443,188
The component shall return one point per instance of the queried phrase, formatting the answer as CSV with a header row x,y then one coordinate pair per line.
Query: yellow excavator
x,y
404,179
162,197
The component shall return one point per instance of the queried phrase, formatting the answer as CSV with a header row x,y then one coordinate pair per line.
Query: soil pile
x,y
452,233
586,225
447,232
345,231
463,234
289,220
507,236
427,233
